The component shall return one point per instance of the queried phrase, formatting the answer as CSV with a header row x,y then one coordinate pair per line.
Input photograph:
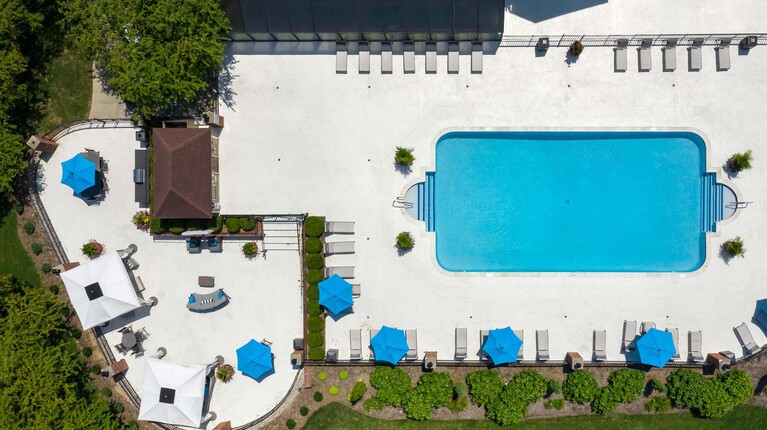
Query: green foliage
x,y
737,384
249,249
141,220
404,156
506,413
711,397
460,390
315,339
95,369
333,390
405,241
322,376
37,249
658,385
433,390
458,405
176,226
158,226
527,387
46,268
343,375
557,404
315,261
29,228
12,150
216,224
290,423
312,307
579,387
247,223
685,388
626,384
658,404
316,353
484,386
313,293
554,387
54,289
106,392
358,391
304,411
734,247
65,311
313,245
605,400
232,225
576,48
315,324
196,224
76,333
715,401
373,404
118,408
739,162
314,226
314,276
392,384
318,396
87,351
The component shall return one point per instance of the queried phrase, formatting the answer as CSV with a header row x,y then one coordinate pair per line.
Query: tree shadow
x,y
537,11
726,256
403,169
570,58
730,173
225,79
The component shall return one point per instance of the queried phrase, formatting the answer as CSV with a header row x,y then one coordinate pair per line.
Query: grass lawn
x,y
14,259
69,89
339,417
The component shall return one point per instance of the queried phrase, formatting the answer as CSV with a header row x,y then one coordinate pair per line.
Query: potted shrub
x,y
92,249
404,156
141,220
739,162
250,249
225,373
734,247
405,241
576,48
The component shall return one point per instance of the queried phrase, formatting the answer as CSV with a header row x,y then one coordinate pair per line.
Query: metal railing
x,y
34,167
611,40
86,124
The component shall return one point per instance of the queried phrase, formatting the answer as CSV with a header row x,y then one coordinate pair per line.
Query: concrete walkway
x,y
104,105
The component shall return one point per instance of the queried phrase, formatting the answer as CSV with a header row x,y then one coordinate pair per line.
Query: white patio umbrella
x,y
173,393
100,290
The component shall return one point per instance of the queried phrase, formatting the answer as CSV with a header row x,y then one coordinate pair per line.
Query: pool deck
x,y
300,138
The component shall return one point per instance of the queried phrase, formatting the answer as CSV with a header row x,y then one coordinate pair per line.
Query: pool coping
x,y
721,177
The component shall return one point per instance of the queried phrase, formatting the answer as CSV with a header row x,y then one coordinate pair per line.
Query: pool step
x,y
426,201
712,202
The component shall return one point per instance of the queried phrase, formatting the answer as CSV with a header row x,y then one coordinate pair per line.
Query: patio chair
x,y
131,263
386,58
207,302
600,341
621,55
121,349
675,338
193,245
460,343
342,227
696,346
142,334
373,333
483,334
356,290
645,55
206,281
646,326
723,55
452,57
103,165
761,319
669,55
215,244
476,57
341,51
355,344
745,339
364,57
696,55
542,341
629,333
412,342
342,271
521,335
408,57
266,342
431,57
339,247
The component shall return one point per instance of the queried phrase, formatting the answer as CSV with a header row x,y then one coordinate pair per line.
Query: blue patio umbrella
x,y
760,315
78,173
389,345
655,347
502,345
254,359
335,294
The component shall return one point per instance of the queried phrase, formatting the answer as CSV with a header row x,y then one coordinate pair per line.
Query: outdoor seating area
x,y
207,302
410,50
542,344
131,341
695,55
600,340
85,174
196,244
746,339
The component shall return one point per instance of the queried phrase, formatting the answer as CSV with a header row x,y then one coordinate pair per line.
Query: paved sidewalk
x,y
104,105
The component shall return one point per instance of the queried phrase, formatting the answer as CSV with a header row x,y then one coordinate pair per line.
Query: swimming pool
x,y
570,201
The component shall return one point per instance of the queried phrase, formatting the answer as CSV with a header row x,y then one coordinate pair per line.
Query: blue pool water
x,y
570,201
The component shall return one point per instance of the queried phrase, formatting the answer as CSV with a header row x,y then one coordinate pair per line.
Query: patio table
x,y
128,340
94,157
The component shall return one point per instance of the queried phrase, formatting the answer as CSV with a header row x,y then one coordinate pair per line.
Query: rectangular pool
x,y
570,201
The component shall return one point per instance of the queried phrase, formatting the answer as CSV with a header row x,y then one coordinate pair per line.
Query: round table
x,y
128,340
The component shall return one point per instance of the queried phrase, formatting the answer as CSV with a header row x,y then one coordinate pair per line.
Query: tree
x,y
159,55
12,161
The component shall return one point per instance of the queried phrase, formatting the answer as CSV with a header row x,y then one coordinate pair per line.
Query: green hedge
x,y
685,388
315,276
176,226
313,292
358,391
658,404
315,324
527,387
216,224
316,353
506,413
232,225
314,226
313,245
627,384
315,339
392,384
484,386
196,224
247,223
710,397
579,387
315,261
605,400
433,390
313,308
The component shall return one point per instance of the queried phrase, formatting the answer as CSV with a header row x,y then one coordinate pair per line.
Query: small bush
x,y
404,156
313,308
333,390
315,324
458,405
626,384
734,247
19,208
317,353
314,226
343,375
392,384
433,390
576,48
657,384
738,162
216,224
46,268
685,388
506,413
54,289
658,405
106,392
118,408
157,226
250,249
322,376
290,423
579,387
373,404
527,387
313,245
318,396
405,241
95,369
304,411
315,261
29,228
37,249
554,387
87,351
315,339
313,292
76,333
141,220
605,400
232,225
247,223
314,276
557,404
484,386
176,226
65,311
358,391
460,390
737,384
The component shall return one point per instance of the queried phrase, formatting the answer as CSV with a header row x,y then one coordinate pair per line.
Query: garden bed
x,y
314,264
226,226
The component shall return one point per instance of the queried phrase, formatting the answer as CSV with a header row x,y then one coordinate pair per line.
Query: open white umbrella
x,y
173,393
100,290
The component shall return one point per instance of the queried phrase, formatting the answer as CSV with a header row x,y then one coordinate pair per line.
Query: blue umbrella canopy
x,y
336,294
655,347
502,345
760,315
254,359
78,173
389,345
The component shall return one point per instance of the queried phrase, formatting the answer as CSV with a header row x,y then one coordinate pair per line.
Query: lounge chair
x,y
675,338
483,334
408,57
621,55
206,281
214,244
355,344
542,343
745,338
342,271
646,326
696,55
476,57
645,55
669,55
207,302
356,290
373,334
723,55
341,52
364,57
696,346
600,342
339,247
460,343
452,57
761,319
629,333
412,343
521,335
431,57
336,227
131,264
193,245
386,57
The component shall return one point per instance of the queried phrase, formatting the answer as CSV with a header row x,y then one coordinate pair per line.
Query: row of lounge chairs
x,y
669,55
408,57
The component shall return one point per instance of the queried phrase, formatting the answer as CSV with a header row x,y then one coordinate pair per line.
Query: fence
x,y
87,124
610,40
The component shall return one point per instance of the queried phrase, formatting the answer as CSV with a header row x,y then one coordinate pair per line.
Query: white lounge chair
x,y
342,271
355,344
600,342
452,57
483,334
336,227
364,57
460,343
521,335
745,338
646,326
386,57
408,57
356,290
431,57
411,336
542,344
341,52
629,333
669,55
621,55
723,55
645,55
339,247
476,57
373,333
696,55
675,338
696,346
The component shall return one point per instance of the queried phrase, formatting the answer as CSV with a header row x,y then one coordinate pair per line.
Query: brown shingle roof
x,y
182,173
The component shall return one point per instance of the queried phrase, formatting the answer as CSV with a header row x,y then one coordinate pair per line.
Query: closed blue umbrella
x,y
78,173
336,294
655,347
389,345
760,316
502,345
254,359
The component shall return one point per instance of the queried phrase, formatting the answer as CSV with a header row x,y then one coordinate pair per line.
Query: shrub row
x,y
314,226
394,388
709,397
178,226
315,261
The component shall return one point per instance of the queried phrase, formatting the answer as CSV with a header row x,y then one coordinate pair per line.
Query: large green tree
x,y
161,56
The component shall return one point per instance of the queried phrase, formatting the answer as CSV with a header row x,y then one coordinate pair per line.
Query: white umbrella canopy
x,y
173,393
100,290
